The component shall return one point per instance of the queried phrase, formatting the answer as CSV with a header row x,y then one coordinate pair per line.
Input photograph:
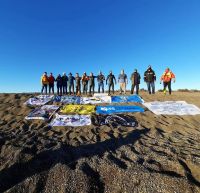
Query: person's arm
x,y
154,76
161,79
107,79
173,77
145,76
118,78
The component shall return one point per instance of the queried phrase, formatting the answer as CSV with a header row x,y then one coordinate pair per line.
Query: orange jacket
x,y
167,76
44,79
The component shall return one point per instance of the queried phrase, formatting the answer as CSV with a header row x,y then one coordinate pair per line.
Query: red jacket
x,y
51,79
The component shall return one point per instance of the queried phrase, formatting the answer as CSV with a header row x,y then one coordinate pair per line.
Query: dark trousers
x,y
133,88
100,86
151,87
71,89
64,87
78,89
59,90
91,89
44,87
167,84
111,86
51,87
85,87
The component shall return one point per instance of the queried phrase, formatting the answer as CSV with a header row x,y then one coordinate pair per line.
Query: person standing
x,y
64,83
44,82
100,80
59,84
111,80
167,78
123,81
85,79
51,83
91,83
78,84
135,79
150,78
71,83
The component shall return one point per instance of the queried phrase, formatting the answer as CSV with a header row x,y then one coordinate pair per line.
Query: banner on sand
x,y
78,109
127,99
118,109
95,100
71,120
67,99
114,120
39,100
172,108
44,113
100,94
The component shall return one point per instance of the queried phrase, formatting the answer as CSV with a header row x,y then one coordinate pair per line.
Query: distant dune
x,y
162,154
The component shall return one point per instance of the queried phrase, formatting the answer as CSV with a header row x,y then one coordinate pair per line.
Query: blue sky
x,y
87,35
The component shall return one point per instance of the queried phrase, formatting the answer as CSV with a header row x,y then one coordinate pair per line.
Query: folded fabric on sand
x,y
100,94
114,120
127,99
71,120
44,113
118,109
95,100
67,99
39,100
78,109
172,108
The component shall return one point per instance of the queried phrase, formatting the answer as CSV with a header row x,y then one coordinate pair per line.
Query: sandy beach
x,y
161,154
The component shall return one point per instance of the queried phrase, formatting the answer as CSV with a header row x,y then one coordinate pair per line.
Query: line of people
x,y
72,85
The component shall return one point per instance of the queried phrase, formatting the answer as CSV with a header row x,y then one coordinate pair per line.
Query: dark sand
x,y
161,155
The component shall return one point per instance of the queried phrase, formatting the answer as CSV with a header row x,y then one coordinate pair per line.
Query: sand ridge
x,y
162,154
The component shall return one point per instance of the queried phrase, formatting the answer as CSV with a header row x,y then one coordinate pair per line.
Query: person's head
x,y
51,74
84,73
111,72
135,70
100,73
77,75
45,73
122,71
59,75
64,74
91,74
70,74
167,70
149,68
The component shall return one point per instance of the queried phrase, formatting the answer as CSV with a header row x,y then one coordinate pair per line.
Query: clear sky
x,y
92,35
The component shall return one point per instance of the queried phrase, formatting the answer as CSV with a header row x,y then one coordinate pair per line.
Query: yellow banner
x,y
78,109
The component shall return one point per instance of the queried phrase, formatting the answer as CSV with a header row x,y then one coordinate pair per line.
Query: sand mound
x,y
162,154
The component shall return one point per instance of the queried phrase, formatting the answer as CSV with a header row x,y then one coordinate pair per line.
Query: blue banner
x,y
118,109
127,99
67,99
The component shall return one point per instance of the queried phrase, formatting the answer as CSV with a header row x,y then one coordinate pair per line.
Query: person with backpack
x,y
123,81
44,82
78,84
59,84
71,83
64,83
85,79
150,78
135,79
167,78
100,80
51,83
91,83
111,80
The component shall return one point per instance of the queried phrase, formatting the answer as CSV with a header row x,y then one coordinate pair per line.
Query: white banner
x,y
39,100
95,100
172,108
71,120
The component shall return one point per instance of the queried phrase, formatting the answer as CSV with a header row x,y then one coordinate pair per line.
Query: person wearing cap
x,y
44,82
135,79
110,80
64,83
150,78
59,84
123,81
51,83
167,78
91,83
78,84
100,80
84,80
71,83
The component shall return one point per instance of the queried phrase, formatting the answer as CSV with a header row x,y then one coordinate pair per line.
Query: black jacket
x,y
135,78
149,76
